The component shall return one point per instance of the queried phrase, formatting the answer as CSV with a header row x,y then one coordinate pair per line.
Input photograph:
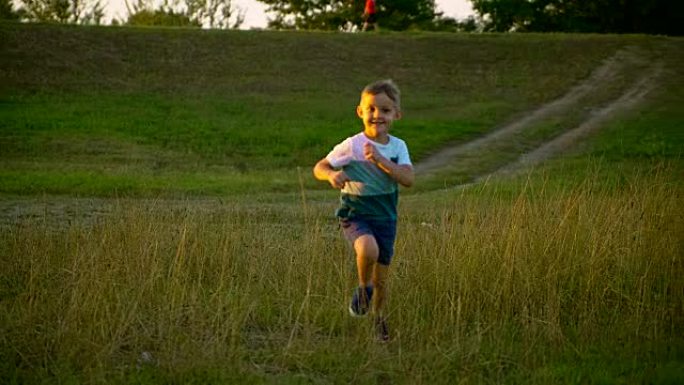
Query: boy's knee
x,y
367,247
370,259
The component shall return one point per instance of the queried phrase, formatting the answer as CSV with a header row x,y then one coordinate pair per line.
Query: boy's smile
x,y
377,112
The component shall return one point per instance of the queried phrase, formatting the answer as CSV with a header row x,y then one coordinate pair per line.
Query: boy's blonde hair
x,y
388,87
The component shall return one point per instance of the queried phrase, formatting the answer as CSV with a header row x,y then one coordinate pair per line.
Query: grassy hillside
x,y
110,111
569,273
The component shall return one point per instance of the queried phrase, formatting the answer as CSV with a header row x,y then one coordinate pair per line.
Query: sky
x,y
255,15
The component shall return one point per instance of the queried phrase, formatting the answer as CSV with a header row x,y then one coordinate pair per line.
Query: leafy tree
x,y
185,13
160,17
448,24
314,14
347,14
215,13
406,14
7,12
62,11
600,16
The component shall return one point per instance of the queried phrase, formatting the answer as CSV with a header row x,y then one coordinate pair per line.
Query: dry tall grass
x,y
487,285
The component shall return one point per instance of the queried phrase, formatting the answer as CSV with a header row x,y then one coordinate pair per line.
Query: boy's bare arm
x,y
402,173
324,171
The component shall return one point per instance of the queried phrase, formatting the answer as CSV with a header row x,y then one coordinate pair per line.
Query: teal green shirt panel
x,y
379,207
367,179
370,192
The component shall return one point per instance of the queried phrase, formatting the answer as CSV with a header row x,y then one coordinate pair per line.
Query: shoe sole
x,y
355,314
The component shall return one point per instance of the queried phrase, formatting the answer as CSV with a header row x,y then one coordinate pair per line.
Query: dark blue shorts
x,y
384,232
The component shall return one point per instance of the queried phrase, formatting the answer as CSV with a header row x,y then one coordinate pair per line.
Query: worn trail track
x,y
62,210
600,78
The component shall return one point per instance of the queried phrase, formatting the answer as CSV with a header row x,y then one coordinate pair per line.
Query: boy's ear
x,y
359,112
397,115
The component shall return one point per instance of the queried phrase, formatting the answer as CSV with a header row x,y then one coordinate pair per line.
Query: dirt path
x,y
63,210
600,78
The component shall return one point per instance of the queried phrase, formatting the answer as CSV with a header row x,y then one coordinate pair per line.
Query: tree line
x,y
594,16
586,16
170,13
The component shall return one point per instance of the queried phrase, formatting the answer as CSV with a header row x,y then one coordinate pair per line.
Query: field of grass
x,y
111,111
160,224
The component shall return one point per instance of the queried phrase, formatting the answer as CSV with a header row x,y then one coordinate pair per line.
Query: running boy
x,y
368,167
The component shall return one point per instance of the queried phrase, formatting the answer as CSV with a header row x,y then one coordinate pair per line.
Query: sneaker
x,y
382,330
360,303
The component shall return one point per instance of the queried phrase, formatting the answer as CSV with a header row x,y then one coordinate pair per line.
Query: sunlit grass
x,y
497,283
165,101
232,268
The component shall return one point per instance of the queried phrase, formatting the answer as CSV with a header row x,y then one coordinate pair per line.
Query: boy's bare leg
x,y
367,251
380,273
369,270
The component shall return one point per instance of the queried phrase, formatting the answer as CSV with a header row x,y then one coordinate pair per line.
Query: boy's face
x,y
377,112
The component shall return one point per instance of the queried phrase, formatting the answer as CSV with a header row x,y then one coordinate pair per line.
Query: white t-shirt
x,y
371,192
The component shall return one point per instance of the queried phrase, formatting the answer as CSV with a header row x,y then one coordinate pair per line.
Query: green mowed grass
x,y
158,104
234,270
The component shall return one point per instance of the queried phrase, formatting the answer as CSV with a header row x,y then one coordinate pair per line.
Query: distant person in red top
x,y
369,16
